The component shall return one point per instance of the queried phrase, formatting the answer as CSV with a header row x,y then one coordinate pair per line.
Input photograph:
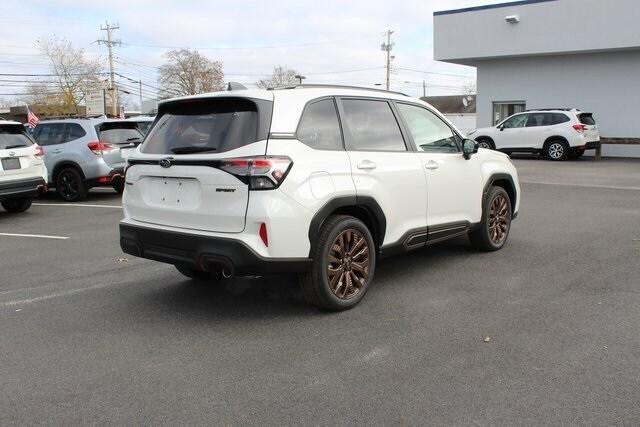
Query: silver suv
x,y
84,153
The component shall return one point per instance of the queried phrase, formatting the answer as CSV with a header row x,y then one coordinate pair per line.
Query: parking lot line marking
x,y
78,205
39,236
54,295
568,184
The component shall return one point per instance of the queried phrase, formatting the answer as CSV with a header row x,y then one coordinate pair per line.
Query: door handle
x,y
366,165
431,165
57,151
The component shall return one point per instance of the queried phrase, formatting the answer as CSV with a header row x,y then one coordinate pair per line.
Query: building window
x,y
502,110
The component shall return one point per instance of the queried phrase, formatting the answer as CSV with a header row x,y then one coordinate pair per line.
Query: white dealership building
x,y
552,54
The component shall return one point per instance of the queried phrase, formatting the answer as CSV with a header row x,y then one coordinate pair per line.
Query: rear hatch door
x,y
124,136
176,178
17,150
591,132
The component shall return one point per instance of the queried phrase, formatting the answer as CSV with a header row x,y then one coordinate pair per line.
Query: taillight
x,y
261,173
99,147
580,128
39,151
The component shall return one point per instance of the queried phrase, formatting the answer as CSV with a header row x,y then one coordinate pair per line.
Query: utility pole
x,y
140,87
110,42
387,47
424,89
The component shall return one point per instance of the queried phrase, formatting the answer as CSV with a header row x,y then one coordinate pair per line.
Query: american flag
x,y
32,119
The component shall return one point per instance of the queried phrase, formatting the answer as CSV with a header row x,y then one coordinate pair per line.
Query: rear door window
x,y
13,137
587,119
557,118
74,131
213,125
372,126
537,119
319,127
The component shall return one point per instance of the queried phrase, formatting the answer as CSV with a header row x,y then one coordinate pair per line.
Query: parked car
x,y
143,122
85,153
322,181
22,170
558,134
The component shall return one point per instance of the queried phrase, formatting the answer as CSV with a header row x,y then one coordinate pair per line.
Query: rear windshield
x,y
587,119
210,125
119,133
13,137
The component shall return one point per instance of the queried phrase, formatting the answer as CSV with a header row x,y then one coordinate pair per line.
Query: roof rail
x,y
320,86
554,109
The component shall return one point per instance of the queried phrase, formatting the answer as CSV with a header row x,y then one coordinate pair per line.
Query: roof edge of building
x,y
489,6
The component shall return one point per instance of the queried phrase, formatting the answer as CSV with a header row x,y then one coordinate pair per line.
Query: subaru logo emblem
x,y
12,153
165,163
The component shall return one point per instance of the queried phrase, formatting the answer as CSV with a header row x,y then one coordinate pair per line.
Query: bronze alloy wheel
x,y
499,218
348,266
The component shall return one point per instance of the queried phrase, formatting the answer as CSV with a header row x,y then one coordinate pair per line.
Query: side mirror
x,y
469,147
501,127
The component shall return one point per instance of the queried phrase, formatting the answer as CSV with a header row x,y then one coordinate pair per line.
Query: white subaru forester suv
x,y
558,134
318,180
23,173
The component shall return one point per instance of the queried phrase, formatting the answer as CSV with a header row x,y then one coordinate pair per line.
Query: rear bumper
x,y
203,252
114,176
592,145
29,187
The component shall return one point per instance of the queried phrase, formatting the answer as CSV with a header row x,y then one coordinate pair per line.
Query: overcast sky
x,y
325,40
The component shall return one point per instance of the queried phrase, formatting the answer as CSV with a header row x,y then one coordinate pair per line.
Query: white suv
x,y
318,180
22,170
557,133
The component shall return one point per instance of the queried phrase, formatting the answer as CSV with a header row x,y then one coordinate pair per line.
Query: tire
x,y
492,235
557,150
213,276
70,185
17,205
353,269
118,185
486,143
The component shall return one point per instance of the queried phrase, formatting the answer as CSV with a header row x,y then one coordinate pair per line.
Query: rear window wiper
x,y
191,149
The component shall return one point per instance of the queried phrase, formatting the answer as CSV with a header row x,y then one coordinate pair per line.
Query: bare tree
x,y
188,73
281,77
470,88
73,73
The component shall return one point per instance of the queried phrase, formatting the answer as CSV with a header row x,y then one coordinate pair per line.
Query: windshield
x,y
211,125
13,137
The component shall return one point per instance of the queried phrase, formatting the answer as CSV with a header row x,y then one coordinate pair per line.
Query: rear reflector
x,y
104,179
263,234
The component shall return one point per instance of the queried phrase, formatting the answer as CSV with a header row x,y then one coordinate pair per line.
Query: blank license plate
x,y
11,163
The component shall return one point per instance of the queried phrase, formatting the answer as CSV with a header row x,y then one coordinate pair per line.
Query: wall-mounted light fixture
x,y
512,19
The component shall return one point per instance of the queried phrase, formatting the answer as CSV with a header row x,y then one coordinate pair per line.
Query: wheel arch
x,y
365,208
505,181
63,165
554,138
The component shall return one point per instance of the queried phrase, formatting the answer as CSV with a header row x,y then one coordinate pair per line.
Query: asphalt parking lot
x,y
90,335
